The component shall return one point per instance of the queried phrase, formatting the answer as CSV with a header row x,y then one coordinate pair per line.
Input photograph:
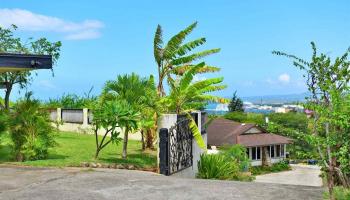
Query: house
x,y
262,148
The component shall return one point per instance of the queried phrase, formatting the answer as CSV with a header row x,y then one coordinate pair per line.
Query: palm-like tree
x,y
187,95
150,109
175,56
109,116
138,93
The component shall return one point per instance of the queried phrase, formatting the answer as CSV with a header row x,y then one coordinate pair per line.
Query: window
x,y
253,153
278,150
258,154
272,151
248,152
282,150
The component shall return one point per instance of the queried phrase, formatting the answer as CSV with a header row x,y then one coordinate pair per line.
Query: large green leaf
x,y
200,85
175,42
188,76
189,46
193,57
213,88
180,70
196,133
157,45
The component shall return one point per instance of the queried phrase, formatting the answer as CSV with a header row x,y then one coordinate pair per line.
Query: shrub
x,y
277,167
238,154
3,122
30,130
242,117
215,166
340,193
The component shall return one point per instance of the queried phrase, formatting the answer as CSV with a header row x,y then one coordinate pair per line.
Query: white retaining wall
x,y
85,127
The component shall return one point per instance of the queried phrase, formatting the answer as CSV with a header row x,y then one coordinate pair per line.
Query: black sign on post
x,y
20,62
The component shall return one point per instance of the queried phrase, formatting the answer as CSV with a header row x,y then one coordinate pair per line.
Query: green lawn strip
x,y
74,148
277,167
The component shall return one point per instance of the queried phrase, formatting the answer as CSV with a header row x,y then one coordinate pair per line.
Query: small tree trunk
x,y
19,157
7,96
264,157
160,87
330,182
125,143
143,140
149,139
97,152
343,180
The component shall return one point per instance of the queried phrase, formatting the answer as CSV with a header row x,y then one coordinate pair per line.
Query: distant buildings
x,y
220,109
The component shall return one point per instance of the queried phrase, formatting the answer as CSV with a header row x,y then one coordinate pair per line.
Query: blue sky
x,y
102,39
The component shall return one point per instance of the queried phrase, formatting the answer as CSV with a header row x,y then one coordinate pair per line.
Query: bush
x,y
238,154
3,122
30,130
216,166
340,193
242,117
277,167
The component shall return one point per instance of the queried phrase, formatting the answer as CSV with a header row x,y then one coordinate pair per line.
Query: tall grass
x,y
215,166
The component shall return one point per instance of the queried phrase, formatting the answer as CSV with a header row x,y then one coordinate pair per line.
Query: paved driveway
x,y
73,183
299,175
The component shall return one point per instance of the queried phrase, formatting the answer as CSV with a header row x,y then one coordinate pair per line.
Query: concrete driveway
x,y
304,175
74,183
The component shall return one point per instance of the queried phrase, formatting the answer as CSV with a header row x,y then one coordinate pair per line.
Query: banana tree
x,y
150,109
175,57
187,95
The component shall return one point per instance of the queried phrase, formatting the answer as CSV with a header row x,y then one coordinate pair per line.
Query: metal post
x,y
163,152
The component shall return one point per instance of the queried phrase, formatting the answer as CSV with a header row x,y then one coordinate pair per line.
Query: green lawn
x,y
74,148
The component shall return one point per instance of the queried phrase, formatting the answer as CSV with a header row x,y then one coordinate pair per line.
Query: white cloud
x,y
29,21
284,78
88,34
46,84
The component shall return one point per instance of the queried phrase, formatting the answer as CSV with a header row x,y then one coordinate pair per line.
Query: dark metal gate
x,y
176,147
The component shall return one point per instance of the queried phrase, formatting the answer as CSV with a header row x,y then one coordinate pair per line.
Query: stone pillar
x,y
85,117
59,115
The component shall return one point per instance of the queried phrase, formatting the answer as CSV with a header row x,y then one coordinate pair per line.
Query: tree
x,y
236,104
3,122
174,57
150,109
328,84
186,96
130,89
30,130
108,117
11,44
73,101
256,118
293,125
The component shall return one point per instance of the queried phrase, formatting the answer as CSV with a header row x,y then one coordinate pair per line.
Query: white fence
x,y
79,120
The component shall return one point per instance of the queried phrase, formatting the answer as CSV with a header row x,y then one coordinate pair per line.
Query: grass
x,y
339,193
277,167
74,148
